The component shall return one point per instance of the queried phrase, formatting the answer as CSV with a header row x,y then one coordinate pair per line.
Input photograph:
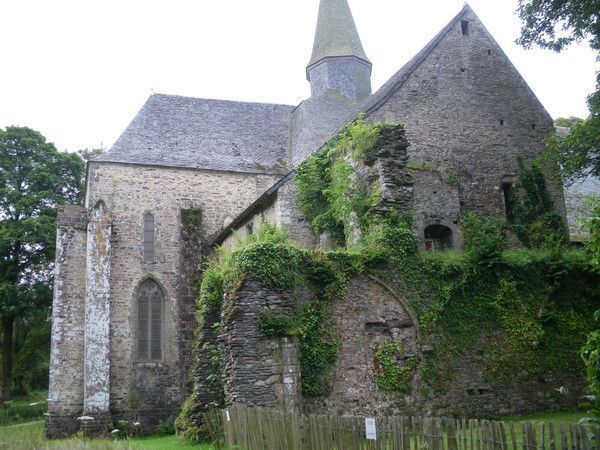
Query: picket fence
x,y
267,429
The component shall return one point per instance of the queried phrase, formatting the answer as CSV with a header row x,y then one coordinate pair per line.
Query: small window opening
x,y
437,238
533,126
249,228
507,191
148,238
502,122
465,27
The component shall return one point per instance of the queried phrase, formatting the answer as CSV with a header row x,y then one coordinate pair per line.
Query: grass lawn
x,y
562,416
31,437
24,409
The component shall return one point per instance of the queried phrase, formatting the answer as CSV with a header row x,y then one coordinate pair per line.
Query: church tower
x,y
338,59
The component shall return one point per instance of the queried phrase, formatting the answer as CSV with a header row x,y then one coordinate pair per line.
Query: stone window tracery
x,y
150,306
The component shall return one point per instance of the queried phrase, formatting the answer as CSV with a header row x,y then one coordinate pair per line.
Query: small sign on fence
x,y
370,430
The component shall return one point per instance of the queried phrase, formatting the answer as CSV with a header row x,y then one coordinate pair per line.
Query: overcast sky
x,y
79,70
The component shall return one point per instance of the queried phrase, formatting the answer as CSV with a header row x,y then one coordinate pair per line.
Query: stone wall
x,y
469,113
258,370
189,207
262,371
371,314
147,391
65,394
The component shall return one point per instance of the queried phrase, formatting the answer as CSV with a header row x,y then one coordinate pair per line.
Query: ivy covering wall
x,y
527,310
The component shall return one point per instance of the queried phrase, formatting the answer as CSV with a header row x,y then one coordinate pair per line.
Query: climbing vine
x,y
526,311
390,373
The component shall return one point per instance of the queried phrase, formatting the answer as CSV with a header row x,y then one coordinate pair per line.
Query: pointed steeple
x,y
338,59
336,33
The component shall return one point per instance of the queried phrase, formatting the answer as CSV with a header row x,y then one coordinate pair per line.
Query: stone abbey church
x,y
127,263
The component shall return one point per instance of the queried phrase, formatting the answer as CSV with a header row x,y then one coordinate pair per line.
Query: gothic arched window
x,y
148,238
150,313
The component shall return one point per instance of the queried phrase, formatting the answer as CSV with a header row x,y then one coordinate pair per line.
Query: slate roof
x,y
336,33
195,133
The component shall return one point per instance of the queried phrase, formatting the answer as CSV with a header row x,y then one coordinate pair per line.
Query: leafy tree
x,y
34,180
567,122
555,24
90,153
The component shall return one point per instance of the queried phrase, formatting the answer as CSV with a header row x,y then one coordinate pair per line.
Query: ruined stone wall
x,y
371,314
147,391
375,311
468,112
65,402
263,371
259,370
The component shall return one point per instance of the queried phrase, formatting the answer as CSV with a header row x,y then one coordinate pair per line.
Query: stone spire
x,y
338,59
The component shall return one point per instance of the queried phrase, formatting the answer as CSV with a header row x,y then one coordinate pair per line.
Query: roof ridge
x,y
222,100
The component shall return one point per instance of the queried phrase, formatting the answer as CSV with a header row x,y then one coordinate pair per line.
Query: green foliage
x,y
275,265
125,429
165,427
556,24
417,164
214,380
526,311
32,353
483,239
24,408
593,224
197,427
191,219
318,340
327,189
390,375
453,180
34,180
567,122
590,353
87,154
365,140
274,325
577,153
531,210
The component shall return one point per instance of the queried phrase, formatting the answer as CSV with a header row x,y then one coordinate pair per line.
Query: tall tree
x,y
90,153
34,180
555,24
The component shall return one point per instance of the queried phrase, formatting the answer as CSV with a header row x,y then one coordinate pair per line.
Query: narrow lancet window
x,y
148,238
150,306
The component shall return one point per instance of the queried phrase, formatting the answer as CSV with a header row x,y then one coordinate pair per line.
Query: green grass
x,y
32,437
24,409
560,416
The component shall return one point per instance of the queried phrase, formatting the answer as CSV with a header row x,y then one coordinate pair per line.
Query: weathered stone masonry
x,y
211,170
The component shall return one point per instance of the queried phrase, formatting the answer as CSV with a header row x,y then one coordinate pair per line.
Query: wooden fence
x,y
265,429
